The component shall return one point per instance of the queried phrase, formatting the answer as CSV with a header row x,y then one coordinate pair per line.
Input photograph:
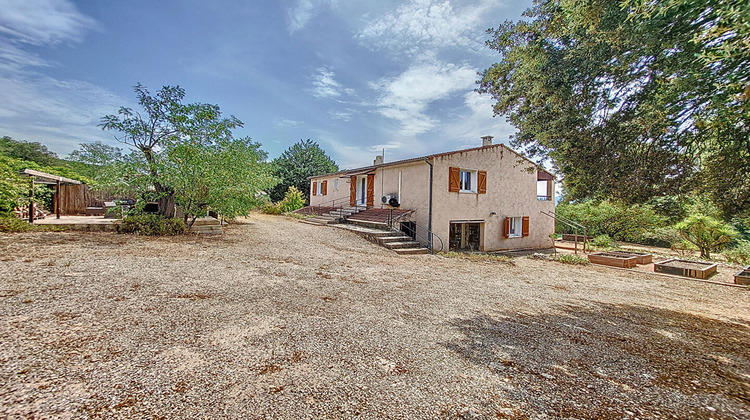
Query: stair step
x,y
401,245
411,251
392,238
310,222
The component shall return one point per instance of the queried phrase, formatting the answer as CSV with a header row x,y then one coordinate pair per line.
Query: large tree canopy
x,y
631,100
299,162
187,154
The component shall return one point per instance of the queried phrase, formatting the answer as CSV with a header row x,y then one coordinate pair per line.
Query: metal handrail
x,y
416,232
572,224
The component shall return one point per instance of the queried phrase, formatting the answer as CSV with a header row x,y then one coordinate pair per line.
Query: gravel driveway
x,y
285,320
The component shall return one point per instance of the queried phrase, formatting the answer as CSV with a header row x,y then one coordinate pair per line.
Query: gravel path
x,y
285,320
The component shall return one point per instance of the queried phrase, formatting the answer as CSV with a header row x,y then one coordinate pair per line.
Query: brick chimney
x,y
378,160
486,141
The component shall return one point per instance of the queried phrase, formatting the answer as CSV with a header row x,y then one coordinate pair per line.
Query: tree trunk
x,y
166,198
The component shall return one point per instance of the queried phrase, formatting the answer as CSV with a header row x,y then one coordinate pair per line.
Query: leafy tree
x,y
96,153
226,176
24,150
706,233
166,121
299,162
619,222
631,100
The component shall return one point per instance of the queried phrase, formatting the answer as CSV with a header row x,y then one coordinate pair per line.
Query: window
x,y
467,181
514,227
466,178
336,184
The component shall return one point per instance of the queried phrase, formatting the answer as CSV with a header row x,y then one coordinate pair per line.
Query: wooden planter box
x,y
572,238
743,277
612,259
695,269
642,257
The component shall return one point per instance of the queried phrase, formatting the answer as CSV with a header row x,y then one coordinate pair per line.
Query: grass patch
x,y
572,259
478,257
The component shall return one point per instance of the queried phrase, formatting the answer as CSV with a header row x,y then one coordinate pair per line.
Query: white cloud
x,y
287,123
476,122
406,97
341,115
35,107
326,86
40,22
427,25
60,114
300,15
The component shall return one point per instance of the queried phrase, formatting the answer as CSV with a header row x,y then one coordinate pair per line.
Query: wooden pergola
x,y
37,177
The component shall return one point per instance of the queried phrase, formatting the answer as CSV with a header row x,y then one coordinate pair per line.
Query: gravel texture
x,y
278,319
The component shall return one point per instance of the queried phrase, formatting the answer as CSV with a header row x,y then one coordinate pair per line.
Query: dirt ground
x,y
278,319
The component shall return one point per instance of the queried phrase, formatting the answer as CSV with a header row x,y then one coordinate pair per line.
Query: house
x,y
487,198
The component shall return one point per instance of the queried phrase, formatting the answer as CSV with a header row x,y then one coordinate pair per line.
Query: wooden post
x,y
31,200
58,200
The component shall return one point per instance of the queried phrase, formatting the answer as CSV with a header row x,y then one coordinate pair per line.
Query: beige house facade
x,y
488,198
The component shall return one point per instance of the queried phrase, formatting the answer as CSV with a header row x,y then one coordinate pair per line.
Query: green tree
x,y
24,150
299,162
706,233
227,176
96,153
630,100
166,121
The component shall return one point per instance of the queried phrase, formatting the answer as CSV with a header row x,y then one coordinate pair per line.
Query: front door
x,y
362,191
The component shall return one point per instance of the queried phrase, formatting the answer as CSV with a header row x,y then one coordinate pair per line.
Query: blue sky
x,y
356,76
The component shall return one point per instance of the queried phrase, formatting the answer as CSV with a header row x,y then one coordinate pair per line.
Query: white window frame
x,y
515,226
335,184
472,177
318,188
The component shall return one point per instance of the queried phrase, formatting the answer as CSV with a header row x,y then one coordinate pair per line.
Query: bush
x,y
602,241
706,233
572,259
271,208
739,254
620,223
293,200
151,225
11,223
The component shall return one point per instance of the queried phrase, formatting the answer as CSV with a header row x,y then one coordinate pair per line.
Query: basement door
x,y
465,236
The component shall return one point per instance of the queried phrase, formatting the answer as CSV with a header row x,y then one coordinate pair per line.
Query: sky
x,y
356,76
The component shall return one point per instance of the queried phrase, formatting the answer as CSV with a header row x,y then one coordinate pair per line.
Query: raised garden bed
x,y
685,268
642,257
612,259
743,277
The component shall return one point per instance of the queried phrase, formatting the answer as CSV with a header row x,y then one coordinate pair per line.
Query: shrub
x,y
11,223
572,259
151,225
293,200
740,253
620,223
602,241
706,233
271,208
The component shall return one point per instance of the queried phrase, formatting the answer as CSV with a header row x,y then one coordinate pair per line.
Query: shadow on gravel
x,y
610,361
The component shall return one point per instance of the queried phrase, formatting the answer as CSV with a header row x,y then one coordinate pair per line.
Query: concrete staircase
x,y
334,216
399,242
402,244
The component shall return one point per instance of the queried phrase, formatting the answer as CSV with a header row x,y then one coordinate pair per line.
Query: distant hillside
x,y
19,155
